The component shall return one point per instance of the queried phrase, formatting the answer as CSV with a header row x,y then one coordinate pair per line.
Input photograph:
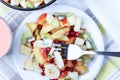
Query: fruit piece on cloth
x,y
40,55
31,26
25,50
51,71
58,59
28,63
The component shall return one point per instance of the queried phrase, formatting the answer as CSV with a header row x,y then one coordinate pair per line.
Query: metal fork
x,y
72,52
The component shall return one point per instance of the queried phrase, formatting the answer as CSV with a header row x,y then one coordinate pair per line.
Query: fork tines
x,y
63,48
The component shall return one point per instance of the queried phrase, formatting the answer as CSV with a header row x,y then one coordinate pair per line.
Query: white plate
x,y
94,66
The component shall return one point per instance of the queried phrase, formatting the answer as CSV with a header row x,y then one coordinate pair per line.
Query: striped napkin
x,y
111,66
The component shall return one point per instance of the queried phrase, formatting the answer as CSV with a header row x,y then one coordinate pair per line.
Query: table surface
x,y
111,65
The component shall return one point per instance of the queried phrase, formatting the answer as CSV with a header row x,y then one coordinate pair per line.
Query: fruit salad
x,y
56,28
27,3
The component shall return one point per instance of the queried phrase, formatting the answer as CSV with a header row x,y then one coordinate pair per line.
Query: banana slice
x,y
58,59
51,71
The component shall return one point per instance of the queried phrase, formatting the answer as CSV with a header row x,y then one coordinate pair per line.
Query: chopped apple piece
x,y
25,50
34,1
55,23
28,44
56,29
15,2
28,63
46,28
71,40
79,41
71,20
42,18
40,55
64,22
49,18
88,45
32,26
47,1
73,75
60,33
65,38
81,68
78,24
36,66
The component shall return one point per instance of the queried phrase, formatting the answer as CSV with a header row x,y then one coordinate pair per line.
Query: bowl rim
x,y
10,44
28,9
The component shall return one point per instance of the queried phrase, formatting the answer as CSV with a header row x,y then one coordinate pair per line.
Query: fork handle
x,y
115,54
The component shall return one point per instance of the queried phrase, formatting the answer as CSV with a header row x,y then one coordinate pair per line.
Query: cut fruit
x,y
46,36
79,41
71,20
88,45
36,66
46,28
58,59
40,55
73,75
34,1
47,1
71,40
49,18
55,23
23,3
36,4
32,26
51,71
64,22
15,2
81,68
28,63
62,32
29,4
25,50
25,36
42,18
78,24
